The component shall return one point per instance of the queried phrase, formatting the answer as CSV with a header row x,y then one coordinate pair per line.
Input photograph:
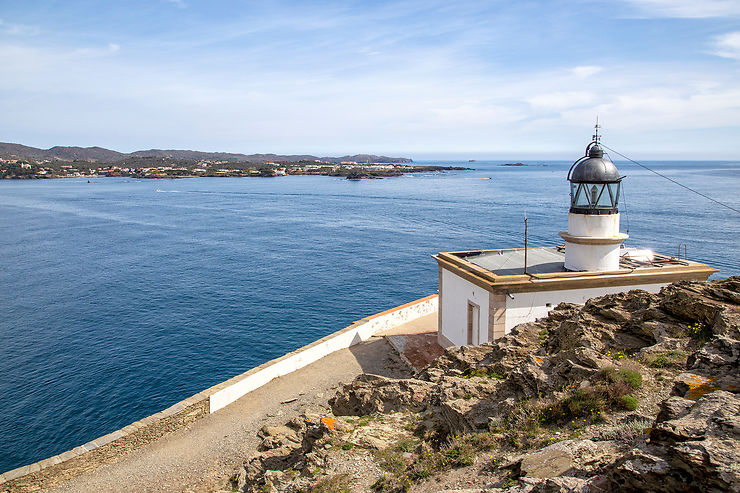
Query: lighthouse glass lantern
x,y
594,184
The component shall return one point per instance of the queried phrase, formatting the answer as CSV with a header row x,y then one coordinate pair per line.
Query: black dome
x,y
595,169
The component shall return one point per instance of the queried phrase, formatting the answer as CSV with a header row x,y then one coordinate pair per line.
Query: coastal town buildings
x,y
483,294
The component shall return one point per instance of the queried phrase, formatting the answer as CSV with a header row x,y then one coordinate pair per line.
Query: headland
x,y
23,162
633,391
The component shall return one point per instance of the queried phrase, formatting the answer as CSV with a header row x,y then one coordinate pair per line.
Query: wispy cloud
x,y
727,45
688,8
12,29
562,101
403,75
586,70
177,3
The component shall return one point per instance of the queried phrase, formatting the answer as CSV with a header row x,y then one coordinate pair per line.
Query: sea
x,y
121,297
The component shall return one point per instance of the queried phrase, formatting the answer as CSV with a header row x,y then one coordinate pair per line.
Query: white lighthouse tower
x,y
593,239
483,294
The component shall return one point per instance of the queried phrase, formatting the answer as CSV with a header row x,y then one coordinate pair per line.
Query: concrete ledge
x,y
359,331
106,449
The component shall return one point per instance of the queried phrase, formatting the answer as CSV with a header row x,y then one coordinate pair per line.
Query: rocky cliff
x,y
633,391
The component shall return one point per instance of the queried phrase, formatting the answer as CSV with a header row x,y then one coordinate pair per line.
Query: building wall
x,y
455,293
526,307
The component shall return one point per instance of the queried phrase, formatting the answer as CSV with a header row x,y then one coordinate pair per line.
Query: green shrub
x,y
542,337
348,446
669,359
631,378
401,473
629,402
611,388
583,402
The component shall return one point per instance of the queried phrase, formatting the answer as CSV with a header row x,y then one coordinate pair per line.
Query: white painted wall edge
x,y
359,331
230,390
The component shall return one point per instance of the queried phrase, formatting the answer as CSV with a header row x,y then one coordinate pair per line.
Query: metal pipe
x,y
525,243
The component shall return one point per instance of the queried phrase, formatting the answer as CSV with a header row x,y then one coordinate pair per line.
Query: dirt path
x,y
203,455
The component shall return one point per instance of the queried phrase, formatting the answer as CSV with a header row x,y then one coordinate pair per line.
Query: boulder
x,y
554,460
624,321
693,386
718,359
369,394
694,446
500,356
666,344
715,304
277,436
465,405
673,407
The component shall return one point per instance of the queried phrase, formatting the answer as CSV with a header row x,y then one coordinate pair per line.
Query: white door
x,y
473,323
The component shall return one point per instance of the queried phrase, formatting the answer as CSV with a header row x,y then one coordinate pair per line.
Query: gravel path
x,y
203,455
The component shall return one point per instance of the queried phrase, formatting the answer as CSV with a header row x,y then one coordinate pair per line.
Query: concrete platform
x,y
416,341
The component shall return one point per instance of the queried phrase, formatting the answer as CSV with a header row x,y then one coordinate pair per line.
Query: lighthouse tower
x,y
593,238
483,294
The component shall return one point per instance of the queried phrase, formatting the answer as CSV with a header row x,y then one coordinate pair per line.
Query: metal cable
x,y
672,180
626,214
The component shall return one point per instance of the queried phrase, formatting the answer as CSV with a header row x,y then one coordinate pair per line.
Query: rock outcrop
x,y
633,391
369,394
693,447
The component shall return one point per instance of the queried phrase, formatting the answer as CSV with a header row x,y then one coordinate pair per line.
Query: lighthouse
x,y
593,240
484,293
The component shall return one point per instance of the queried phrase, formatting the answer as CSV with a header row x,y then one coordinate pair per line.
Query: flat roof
x,y
504,268
510,262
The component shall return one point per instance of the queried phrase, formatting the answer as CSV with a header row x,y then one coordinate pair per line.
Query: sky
x,y
416,78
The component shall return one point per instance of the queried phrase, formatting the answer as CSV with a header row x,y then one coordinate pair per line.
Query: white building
x,y
484,293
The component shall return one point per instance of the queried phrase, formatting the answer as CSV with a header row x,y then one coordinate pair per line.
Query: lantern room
x,y
594,183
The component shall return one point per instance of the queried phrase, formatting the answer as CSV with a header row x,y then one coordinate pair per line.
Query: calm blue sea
x,y
121,297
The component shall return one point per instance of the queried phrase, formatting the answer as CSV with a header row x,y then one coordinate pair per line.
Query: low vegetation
x,y
338,483
700,332
402,469
667,359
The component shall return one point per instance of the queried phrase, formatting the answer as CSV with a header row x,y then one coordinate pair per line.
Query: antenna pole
x,y
596,128
525,243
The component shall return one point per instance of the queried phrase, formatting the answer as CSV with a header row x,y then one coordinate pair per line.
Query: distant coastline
x,y
167,170
22,162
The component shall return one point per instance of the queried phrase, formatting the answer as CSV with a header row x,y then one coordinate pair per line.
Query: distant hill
x,y
99,154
